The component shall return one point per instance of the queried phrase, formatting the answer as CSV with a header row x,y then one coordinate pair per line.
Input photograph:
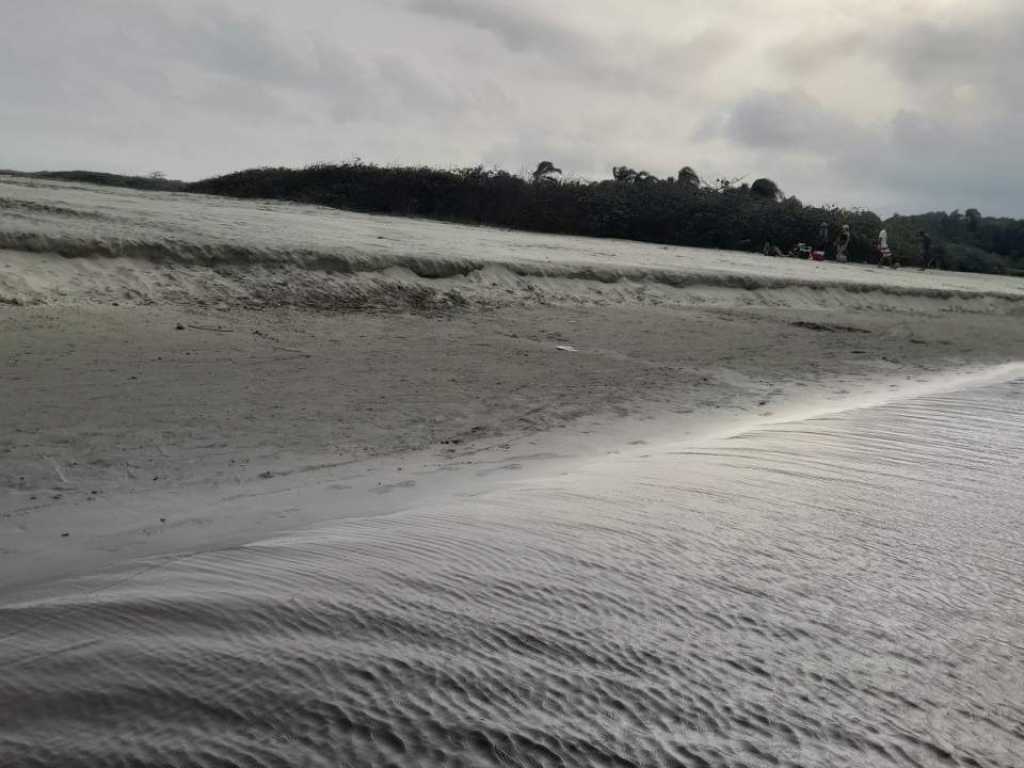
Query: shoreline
x,y
191,372
138,439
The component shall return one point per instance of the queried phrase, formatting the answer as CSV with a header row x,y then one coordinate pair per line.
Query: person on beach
x,y
822,242
927,255
884,254
843,244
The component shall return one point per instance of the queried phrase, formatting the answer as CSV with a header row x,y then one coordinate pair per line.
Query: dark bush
x,y
633,205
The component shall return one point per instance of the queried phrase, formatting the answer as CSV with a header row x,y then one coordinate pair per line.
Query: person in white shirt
x,y
843,244
884,254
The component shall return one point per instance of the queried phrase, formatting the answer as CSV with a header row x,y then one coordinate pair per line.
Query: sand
x,y
141,430
183,373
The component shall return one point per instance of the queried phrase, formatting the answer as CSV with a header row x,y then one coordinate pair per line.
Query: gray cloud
x,y
801,54
516,29
907,106
790,121
620,60
951,50
932,163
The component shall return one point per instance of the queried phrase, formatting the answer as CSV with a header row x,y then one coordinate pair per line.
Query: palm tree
x,y
627,175
545,171
624,174
766,188
688,176
973,216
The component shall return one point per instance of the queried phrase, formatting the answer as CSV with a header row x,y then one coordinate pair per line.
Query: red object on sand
x,y
818,255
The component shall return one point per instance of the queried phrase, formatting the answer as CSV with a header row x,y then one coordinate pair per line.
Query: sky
x,y
891,105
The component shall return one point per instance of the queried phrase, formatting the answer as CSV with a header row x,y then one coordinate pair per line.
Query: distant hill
x,y
151,183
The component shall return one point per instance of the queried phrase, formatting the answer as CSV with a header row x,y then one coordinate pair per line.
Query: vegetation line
x,y
632,205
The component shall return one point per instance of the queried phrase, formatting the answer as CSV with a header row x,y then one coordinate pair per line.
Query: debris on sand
x,y
828,327
211,329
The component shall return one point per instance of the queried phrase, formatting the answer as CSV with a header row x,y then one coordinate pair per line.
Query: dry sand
x,y
134,430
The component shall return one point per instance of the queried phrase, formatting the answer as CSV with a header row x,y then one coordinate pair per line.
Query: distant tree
x,y
723,214
627,175
726,185
624,174
158,175
688,176
973,216
766,188
545,172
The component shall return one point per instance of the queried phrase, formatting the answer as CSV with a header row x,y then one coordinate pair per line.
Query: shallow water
x,y
843,590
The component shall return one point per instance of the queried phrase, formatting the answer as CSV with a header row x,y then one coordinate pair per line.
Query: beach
x,y
288,485
130,429
137,380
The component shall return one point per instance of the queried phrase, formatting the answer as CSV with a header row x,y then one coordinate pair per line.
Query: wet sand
x,y
138,429
828,591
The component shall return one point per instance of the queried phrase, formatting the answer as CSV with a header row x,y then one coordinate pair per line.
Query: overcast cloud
x,y
887,104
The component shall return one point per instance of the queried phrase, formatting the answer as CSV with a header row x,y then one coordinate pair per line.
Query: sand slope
x,y
82,243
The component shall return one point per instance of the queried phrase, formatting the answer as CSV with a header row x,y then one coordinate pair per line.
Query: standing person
x,y
843,244
927,256
884,254
822,242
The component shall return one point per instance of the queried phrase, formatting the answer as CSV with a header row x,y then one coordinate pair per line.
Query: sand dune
x,y
79,243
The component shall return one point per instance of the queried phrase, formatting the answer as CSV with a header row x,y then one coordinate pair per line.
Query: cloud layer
x,y
904,105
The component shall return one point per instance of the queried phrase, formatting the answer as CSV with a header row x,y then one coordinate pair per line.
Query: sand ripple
x,y
841,591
